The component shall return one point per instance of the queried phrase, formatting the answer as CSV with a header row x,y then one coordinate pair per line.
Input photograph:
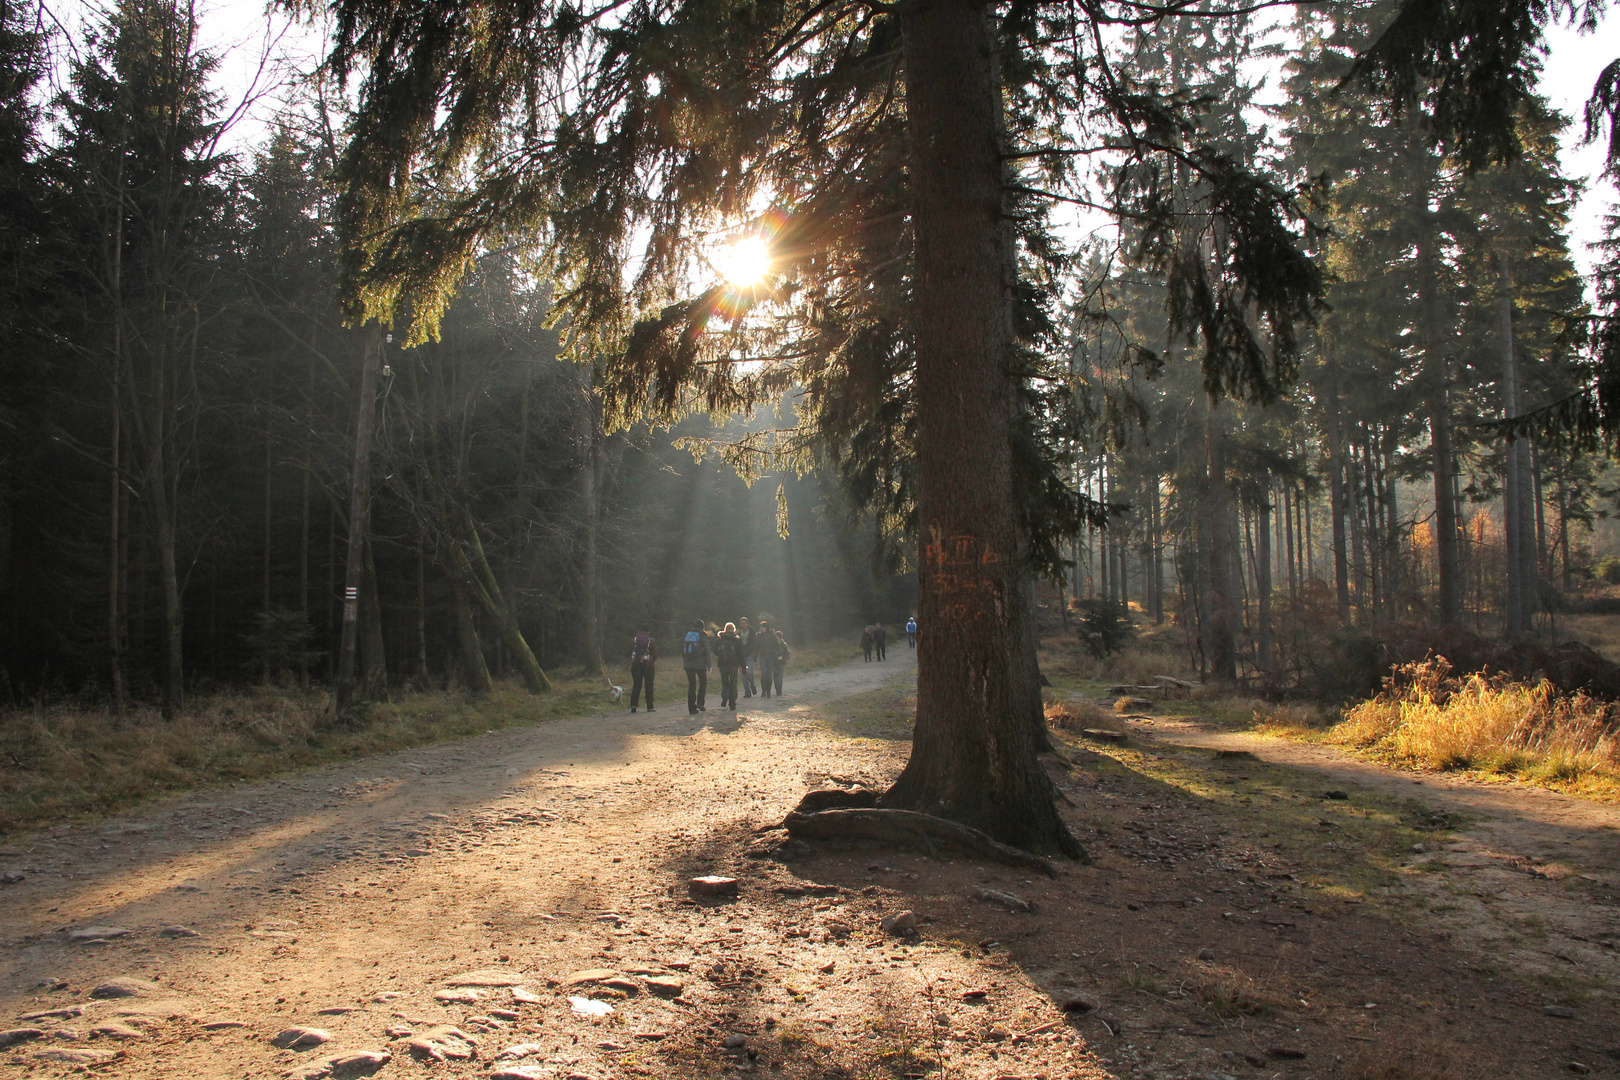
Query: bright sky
x,y
261,52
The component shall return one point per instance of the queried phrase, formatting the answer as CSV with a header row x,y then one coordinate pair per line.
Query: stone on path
x,y
457,997
444,1043
487,978
223,1025
18,1035
524,996
348,1066
86,935
1010,901
900,923
520,1050
114,1029
126,986
77,1055
521,1072
592,975
178,932
663,985
584,1006
150,1009
301,1038
67,1012
712,885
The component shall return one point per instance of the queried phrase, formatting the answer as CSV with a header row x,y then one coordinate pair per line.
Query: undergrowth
x,y
1427,718
59,761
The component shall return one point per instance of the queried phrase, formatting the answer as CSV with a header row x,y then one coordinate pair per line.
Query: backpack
x,y
693,645
642,650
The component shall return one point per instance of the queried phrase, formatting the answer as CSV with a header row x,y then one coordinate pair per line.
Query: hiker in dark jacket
x,y
728,650
763,656
643,659
880,638
750,654
867,639
775,645
695,659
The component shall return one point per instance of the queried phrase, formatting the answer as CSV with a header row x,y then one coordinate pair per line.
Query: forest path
x,y
1530,876
360,900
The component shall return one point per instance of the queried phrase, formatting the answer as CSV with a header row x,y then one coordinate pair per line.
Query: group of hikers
x,y
737,650
875,639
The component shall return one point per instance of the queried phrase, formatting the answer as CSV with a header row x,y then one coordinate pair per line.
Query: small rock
x,y
900,924
1558,1011
624,985
1079,1005
343,1066
400,1031
1213,1075
77,1055
112,1029
223,1025
301,1038
828,968
19,1035
444,1043
589,1007
520,1050
712,885
12,877
1336,795
178,931
975,995
1010,901
525,996
735,1042
663,985
997,1034
521,1072
1286,1053
506,1014
456,997
383,996
87,934
839,928
1578,1068
51,985
125,987
1419,848
67,1012
592,975
1206,954
486,978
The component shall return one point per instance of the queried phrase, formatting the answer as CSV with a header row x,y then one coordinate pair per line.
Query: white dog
x,y
615,692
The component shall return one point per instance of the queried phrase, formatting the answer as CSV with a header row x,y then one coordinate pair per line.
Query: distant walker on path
x,y
643,662
880,638
911,632
695,659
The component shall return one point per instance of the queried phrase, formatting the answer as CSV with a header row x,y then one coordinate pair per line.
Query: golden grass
x,y
64,761
57,762
1427,719
1081,716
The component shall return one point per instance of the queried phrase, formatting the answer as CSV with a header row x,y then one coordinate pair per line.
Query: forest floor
x,y
522,896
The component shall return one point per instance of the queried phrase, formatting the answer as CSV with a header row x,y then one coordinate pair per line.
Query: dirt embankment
x,y
528,890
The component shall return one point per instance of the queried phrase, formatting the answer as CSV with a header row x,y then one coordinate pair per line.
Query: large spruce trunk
x,y
975,752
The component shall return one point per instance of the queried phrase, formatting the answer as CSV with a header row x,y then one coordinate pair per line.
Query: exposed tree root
x,y
907,826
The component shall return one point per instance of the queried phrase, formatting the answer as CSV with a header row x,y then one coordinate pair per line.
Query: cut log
x,y
909,826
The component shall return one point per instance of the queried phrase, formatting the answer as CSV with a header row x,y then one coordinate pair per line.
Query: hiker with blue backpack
x,y
695,659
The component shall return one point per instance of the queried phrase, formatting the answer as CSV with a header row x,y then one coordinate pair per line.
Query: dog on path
x,y
615,691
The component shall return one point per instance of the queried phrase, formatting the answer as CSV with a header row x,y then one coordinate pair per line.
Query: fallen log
x,y
902,826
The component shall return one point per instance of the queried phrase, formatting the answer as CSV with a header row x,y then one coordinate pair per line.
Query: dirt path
x,y
353,900
484,898
1530,877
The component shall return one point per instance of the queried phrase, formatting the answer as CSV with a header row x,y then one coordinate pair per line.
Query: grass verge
x,y
61,761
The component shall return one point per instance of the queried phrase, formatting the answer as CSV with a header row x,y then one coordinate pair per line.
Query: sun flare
x,y
744,262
